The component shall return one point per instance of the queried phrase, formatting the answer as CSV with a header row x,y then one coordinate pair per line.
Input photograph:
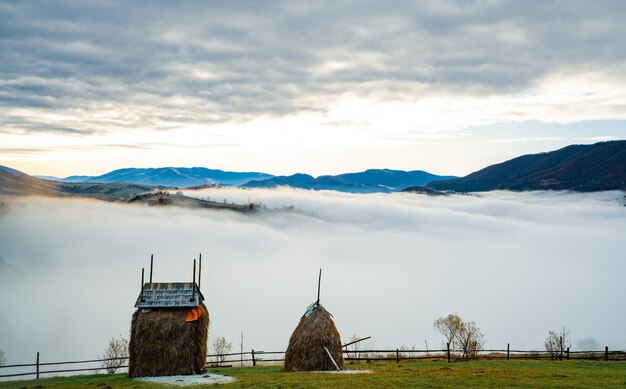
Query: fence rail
x,y
256,357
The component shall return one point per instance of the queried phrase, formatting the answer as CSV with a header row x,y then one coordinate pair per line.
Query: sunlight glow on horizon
x,y
351,123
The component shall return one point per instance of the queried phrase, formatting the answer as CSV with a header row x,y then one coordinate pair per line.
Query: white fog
x,y
518,264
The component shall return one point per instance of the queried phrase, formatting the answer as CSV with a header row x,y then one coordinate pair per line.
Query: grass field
x,y
423,374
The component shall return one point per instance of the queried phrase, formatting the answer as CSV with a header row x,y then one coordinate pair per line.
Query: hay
x,y
306,345
162,343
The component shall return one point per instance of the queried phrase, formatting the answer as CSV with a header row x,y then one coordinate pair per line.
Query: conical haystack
x,y
315,332
164,342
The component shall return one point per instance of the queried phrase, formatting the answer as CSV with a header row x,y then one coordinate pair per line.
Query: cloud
x,y
602,138
392,264
122,67
528,139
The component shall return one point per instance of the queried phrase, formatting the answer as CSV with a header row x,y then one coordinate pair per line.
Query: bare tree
x,y
354,347
470,340
367,345
220,347
3,358
557,342
115,355
464,336
449,326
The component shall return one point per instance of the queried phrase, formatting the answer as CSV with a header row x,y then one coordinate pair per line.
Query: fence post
x,y
448,346
606,353
567,354
397,356
508,345
253,360
561,347
37,365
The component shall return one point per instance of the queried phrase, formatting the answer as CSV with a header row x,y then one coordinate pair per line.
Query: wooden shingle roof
x,y
169,295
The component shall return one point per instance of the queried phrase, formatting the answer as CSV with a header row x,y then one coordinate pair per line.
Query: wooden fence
x,y
256,357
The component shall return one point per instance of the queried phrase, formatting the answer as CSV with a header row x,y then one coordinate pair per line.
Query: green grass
x,y
423,374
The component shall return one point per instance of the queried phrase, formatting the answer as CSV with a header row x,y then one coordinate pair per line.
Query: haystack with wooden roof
x,y
315,344
169,329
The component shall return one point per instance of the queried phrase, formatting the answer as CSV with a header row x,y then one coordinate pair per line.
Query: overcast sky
x,y
315,87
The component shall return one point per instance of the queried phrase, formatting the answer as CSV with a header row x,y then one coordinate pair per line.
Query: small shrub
x,y
369,345
557,342
402,354
114,355
220,347
353,349
471,340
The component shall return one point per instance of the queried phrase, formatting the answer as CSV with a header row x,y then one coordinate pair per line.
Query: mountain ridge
x,y
179,177
583,168
16,183
368,181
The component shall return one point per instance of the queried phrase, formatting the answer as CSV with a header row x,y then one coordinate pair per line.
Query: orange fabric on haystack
x,y
193,314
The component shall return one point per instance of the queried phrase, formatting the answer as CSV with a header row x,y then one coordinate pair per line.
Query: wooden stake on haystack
x,y
200,271
142,276
193,283
151,265
319,283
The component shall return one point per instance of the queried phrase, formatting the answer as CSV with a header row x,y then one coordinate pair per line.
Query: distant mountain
x,y
369,181
583,168
16,183
49,178
393,179
68,179
297,180
179,177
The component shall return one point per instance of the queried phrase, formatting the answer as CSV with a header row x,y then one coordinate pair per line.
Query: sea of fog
x,y
518,264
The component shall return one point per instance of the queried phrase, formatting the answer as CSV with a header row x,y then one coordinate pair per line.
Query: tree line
x,y
469,339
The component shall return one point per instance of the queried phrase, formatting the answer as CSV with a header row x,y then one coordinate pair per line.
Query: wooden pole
x,y
397,356
332,359
253,359
193,284
356,341
142,276
448,346
561,346
37,364
507,351
606,353
199,271
151,266
567,354
319,283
